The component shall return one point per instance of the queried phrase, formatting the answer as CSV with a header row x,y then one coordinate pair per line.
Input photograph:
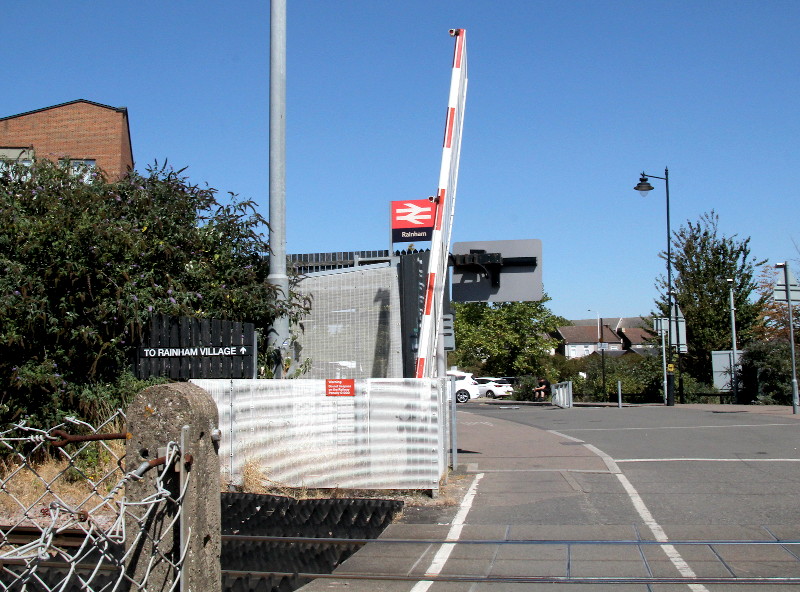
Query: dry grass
x,y
28,489
255,480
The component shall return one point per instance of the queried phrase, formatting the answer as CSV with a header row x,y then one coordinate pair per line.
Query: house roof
x,y
587,334
615,323
637,335
118,109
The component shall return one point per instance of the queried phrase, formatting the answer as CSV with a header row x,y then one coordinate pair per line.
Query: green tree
x,y
702,261
86,263
505,338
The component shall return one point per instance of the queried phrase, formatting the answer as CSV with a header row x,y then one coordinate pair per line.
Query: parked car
x,y
494,388
466,387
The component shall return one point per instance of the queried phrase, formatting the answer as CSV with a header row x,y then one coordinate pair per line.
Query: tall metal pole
x,y
785,266
735,358
278,337
673,331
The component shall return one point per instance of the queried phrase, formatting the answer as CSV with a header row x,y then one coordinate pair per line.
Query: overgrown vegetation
x,y
86,262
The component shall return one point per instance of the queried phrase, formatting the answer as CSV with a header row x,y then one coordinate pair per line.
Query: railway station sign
x,y
412,220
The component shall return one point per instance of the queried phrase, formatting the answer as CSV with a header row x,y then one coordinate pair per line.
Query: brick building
x,y
81,131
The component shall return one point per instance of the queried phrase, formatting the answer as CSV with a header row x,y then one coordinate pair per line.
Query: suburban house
x,y
617,336
85,133
637,339
580,341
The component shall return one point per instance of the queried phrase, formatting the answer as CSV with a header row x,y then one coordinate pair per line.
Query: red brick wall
x,y
77,130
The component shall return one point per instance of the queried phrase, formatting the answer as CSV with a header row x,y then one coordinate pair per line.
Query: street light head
x,y
644,186
780,265
730,280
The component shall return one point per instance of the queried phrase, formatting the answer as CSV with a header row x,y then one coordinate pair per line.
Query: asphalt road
x,y
694,465
641,499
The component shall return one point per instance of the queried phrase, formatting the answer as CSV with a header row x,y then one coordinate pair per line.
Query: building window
x,y
15,156
82,168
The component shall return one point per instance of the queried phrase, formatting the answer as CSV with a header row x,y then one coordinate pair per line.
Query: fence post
x,y
186,415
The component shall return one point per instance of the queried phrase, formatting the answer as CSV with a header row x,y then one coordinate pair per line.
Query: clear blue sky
x,y
568,102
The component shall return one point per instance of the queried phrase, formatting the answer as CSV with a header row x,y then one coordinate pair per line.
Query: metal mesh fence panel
x,y
63,509
392,434
353,330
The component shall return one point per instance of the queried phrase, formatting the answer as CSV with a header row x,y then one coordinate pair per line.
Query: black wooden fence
x,y
185,347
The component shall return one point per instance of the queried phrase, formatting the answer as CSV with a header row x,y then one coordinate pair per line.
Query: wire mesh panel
x,y
353,330
390,434
63,509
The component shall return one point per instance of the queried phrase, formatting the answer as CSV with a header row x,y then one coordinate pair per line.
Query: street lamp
x,y
734,358
644,187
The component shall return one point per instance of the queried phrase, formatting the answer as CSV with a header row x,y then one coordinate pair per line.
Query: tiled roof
x,y
587,334
613,322
637,335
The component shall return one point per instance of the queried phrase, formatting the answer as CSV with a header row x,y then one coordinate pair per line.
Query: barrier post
x,y
176,533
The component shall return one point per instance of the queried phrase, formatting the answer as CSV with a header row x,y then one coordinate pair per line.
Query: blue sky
x,y
568,102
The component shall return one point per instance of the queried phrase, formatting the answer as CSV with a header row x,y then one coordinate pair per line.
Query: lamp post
x,y
788,284
734,357
644,187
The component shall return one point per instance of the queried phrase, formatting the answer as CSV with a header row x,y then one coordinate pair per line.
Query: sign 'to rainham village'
x,y
185,352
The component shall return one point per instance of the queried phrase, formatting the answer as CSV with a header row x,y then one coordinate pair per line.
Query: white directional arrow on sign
x,y
414,214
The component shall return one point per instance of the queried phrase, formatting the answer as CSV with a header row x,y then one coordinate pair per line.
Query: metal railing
x,y
562,394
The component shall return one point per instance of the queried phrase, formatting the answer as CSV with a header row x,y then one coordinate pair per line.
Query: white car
x,y
494,388
466,387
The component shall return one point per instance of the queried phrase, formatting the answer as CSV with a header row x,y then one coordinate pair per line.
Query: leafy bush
x,y
523,390
84,263
766,374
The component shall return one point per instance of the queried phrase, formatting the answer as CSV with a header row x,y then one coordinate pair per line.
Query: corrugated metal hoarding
x,y
373,434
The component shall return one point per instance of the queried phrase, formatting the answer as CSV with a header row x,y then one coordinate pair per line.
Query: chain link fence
x,y
65,522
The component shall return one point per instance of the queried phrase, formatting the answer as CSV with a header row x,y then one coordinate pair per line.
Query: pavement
x,y
536,504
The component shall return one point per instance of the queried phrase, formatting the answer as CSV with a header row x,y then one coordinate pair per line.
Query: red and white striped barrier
x,y
430,326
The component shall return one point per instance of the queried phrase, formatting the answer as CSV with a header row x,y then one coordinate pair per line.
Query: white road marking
x,y
443,554
638,503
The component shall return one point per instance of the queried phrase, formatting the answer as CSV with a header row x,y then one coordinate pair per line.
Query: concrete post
x,y
187,415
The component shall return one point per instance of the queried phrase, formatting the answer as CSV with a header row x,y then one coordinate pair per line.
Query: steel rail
x,y
522,579
73,536
567,542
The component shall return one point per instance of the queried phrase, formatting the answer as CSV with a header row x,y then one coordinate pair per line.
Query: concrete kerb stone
x,y
185,414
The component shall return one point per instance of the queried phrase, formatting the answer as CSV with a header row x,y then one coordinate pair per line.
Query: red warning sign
x,y
340,387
